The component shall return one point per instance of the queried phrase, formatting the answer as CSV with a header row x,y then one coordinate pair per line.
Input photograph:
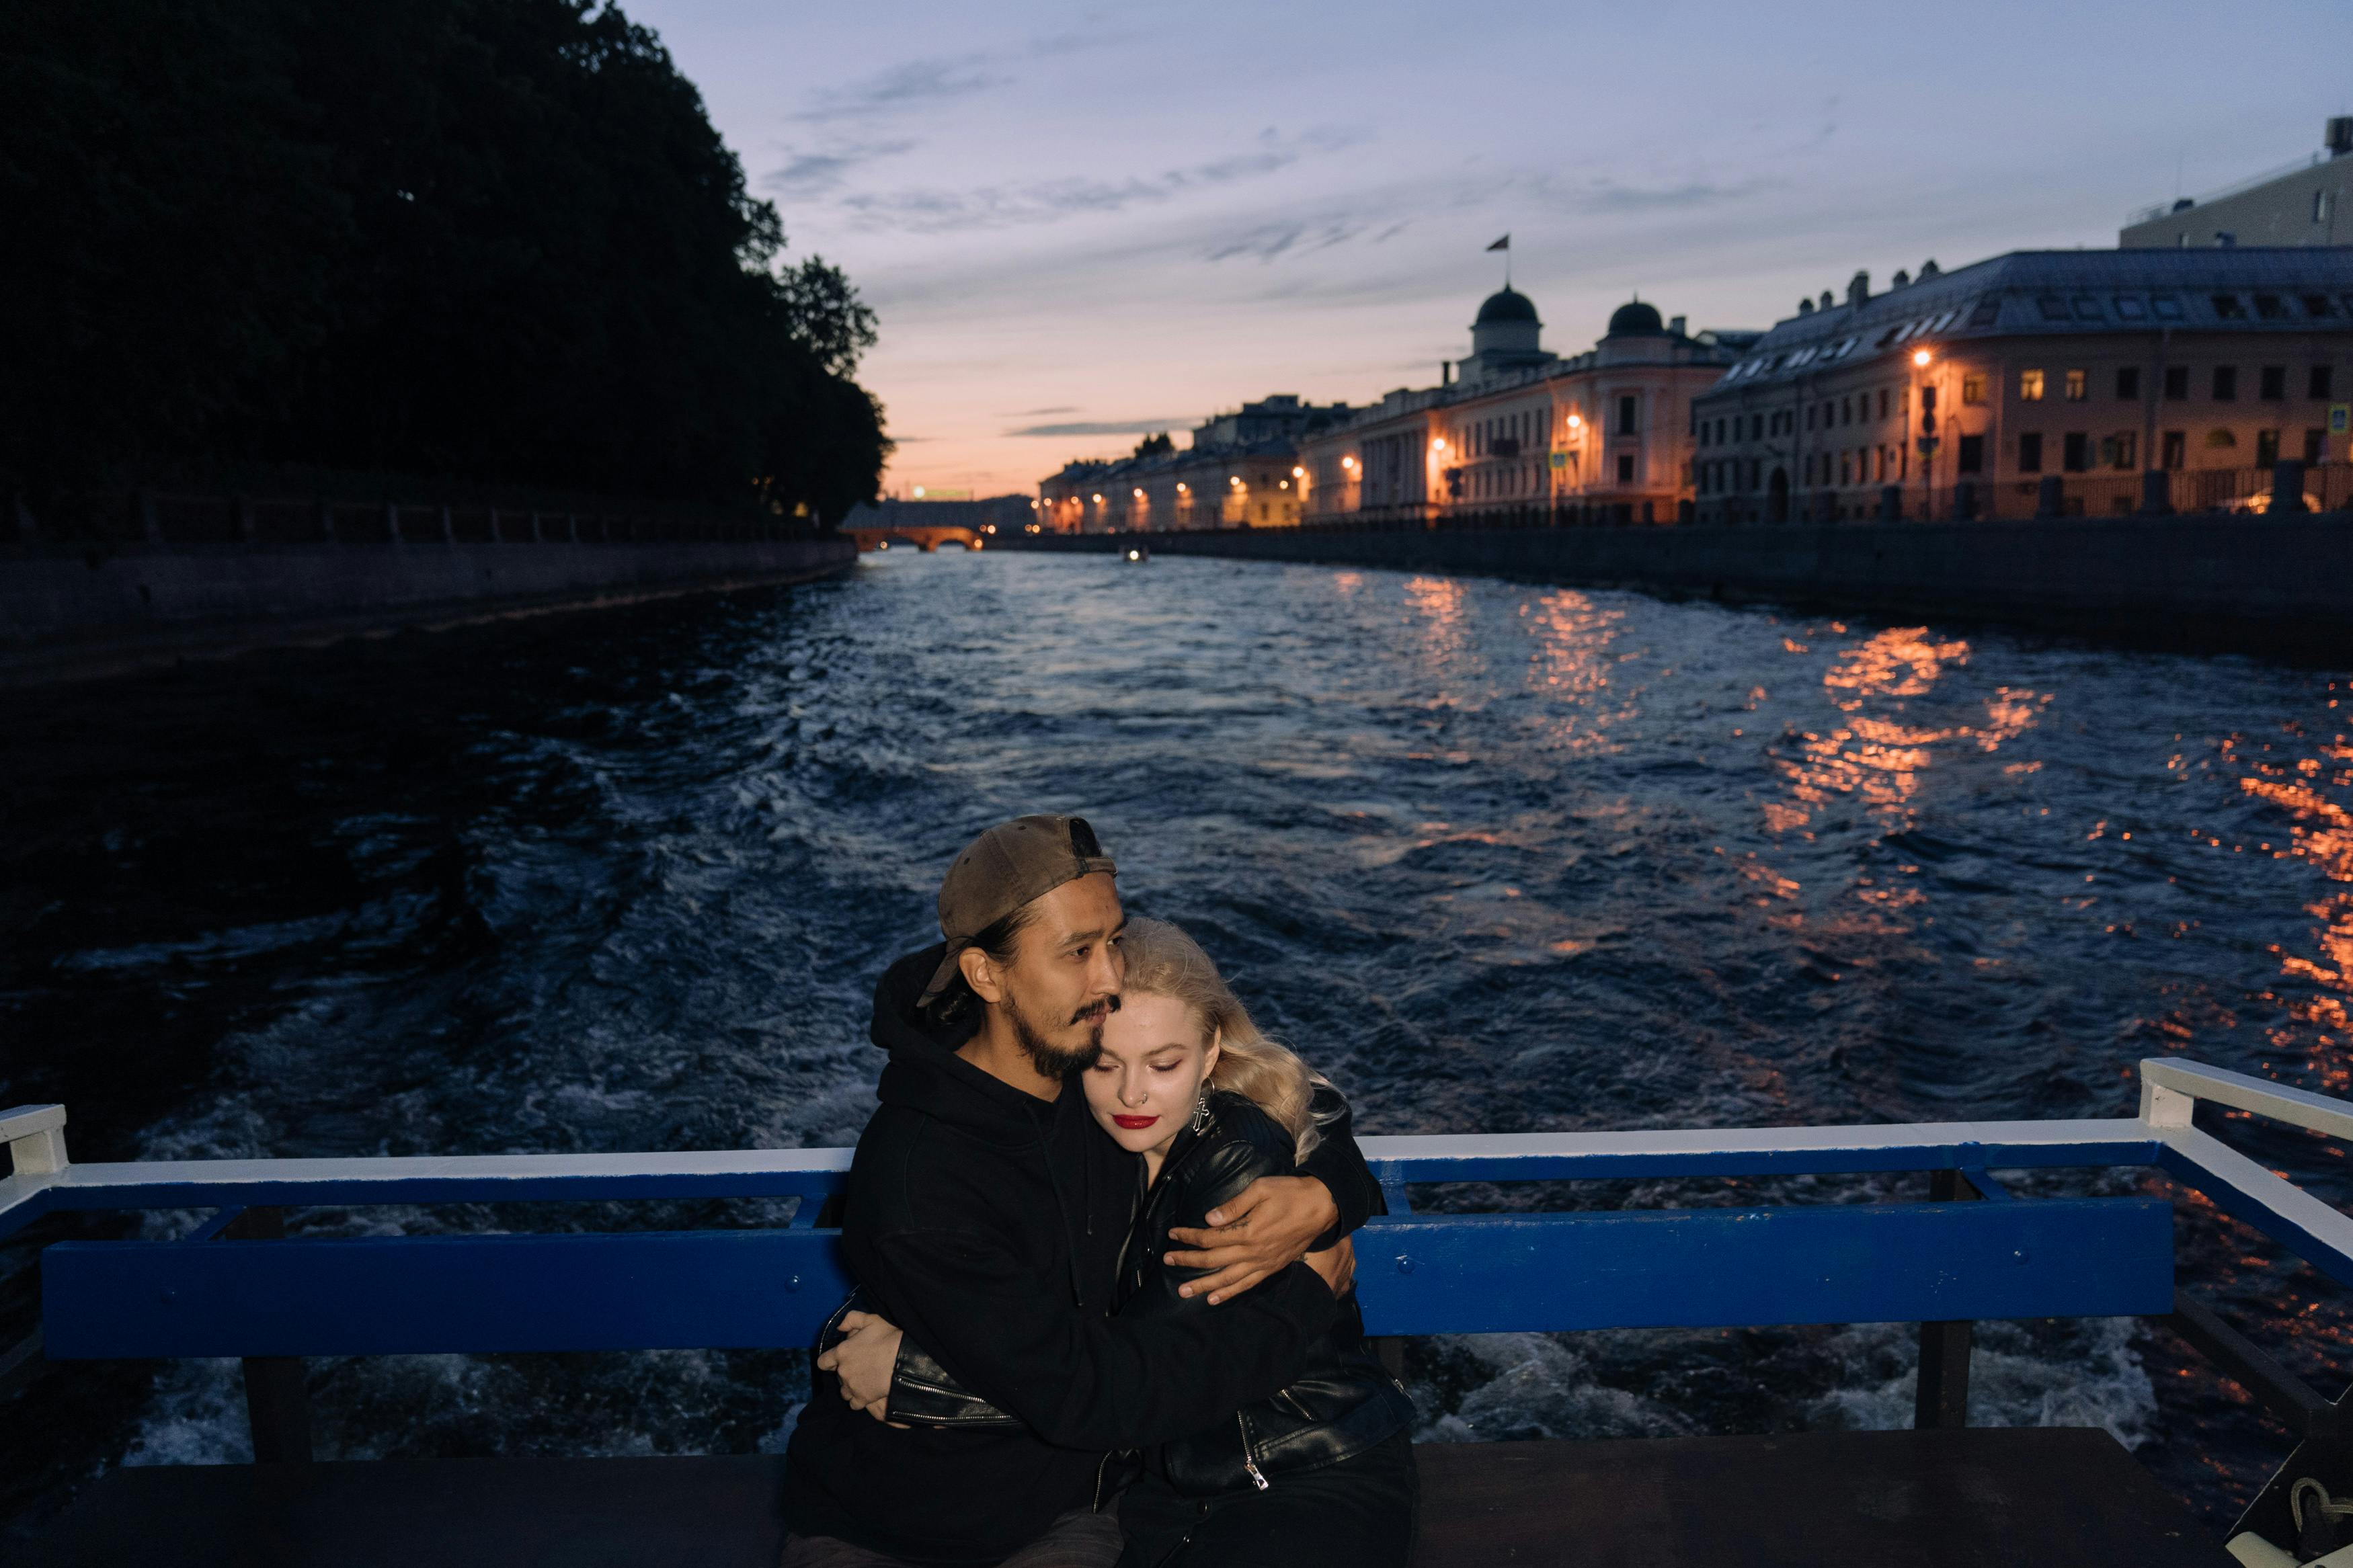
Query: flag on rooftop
x,y
1502,244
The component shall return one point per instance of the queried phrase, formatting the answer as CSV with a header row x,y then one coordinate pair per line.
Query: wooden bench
x,y
1939,1495
2031,1498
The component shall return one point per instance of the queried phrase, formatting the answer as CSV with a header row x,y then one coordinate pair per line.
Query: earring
x,y
1201,1112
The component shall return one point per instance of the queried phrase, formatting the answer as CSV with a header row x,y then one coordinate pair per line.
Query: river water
x,y
1497,856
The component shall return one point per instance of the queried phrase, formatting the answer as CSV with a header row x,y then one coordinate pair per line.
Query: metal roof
x,y
2269,288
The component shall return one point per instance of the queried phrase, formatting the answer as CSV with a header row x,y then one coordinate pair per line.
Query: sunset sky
x,y
1080,223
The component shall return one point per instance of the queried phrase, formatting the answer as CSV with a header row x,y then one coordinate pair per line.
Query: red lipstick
x,y
1135,1123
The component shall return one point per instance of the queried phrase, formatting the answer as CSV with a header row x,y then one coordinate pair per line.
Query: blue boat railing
x,y
1974,1251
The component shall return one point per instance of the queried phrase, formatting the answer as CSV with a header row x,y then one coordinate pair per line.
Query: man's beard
x,y
1050,1060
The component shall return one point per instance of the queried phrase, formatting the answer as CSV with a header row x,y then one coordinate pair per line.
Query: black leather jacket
x,y
1344,1404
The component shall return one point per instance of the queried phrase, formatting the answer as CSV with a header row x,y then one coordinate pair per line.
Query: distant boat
x,y
1137,552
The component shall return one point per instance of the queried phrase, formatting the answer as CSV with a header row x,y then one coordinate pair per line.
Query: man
x,y
985,1214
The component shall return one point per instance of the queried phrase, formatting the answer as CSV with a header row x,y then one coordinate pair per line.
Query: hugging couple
x,y
1098,1228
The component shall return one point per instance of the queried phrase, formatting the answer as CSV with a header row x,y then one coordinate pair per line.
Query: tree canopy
x,y
495,240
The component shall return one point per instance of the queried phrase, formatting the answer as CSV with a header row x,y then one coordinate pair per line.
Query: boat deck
x,y
2039,1497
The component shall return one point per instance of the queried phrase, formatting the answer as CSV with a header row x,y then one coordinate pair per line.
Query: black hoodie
x,y
988,1224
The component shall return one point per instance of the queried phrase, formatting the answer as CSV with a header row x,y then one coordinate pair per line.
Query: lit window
x,y
2029,386
2078,386
1972,390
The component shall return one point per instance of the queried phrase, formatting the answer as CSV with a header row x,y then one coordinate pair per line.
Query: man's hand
x,y
1264,1231
1337,1265
863,1361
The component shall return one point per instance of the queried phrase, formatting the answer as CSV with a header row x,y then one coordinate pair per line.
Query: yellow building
x,y
1963,393
1605,432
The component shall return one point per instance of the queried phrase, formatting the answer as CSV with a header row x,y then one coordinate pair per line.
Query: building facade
x,y
2302,204
1605,431
1240,470
1960,393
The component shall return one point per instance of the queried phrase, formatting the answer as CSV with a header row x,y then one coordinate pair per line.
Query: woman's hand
x,y
863,1362
1336,1266
1264,1231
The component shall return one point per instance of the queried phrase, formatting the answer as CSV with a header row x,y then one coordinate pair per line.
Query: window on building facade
x,y
2030,452
2266,448
1846,469
1625,468
2120,451
1972,460
1757,426
2078,386
2230,307
2273,384
2177,383
2128,383
2177,449
2030,386
1972,391
1809,415
2226,383
1846,410
2220,438
1882,403
2316,445
2318,383
2317,305
2075,451
1626,415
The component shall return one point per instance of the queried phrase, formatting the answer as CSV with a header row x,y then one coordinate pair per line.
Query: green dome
x,y
1636,320
1505,304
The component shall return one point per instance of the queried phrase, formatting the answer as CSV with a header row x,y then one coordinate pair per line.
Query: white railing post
x,y
36,1136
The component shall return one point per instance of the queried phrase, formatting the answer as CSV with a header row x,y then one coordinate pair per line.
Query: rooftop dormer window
x,y
2131,308
2230,307
2053,306
1986,314
2317,305
2271,307
2088,308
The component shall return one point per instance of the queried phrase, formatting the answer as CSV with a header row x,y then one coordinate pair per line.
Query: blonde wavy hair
x,y
1161,960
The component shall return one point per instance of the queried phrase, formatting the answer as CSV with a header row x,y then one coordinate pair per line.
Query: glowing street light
x,y
1097,501
1347,462
1182,489
1438,443
1576,421
1139,492
1919,357
1299,473
919,492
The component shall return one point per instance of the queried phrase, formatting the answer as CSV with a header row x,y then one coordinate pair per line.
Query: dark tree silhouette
x,y
488,239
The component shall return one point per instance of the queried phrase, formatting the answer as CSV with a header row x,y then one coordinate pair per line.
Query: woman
x,y
1321,1472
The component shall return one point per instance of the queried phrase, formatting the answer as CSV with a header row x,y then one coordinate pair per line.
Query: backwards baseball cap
x,y
1003,870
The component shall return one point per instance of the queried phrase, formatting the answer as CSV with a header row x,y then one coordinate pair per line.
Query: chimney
x,y
1805,307
1857,288
1828,300
1928,269
2340,135
1446,372
1676,325
1902,280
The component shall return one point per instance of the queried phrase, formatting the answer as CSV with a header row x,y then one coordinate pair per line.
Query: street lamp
x,y
1921,359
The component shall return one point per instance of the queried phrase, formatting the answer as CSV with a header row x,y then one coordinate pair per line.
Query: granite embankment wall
x,y
2274,585
70,611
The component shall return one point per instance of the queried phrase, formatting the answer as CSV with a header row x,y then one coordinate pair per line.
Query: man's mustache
x,y
1096,1012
